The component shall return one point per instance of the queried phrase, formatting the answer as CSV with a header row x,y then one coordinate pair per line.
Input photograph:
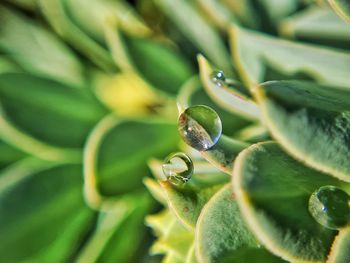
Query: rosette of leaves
x,y
248,198
88,93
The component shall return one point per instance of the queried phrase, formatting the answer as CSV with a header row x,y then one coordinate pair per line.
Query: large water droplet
x,y
218,77
200,127
330,207
178,168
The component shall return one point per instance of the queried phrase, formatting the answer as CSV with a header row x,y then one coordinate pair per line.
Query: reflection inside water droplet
x,y
330,207
178,168
218,77
200,127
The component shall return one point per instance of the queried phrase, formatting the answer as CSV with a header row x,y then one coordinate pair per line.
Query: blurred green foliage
x,y
88,93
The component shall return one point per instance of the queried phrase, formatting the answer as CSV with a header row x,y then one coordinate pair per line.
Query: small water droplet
x,y
200,127
329,206
218,77
178,168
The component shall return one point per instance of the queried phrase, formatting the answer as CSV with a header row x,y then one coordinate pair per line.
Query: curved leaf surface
x,y
273,192
222,235
312,123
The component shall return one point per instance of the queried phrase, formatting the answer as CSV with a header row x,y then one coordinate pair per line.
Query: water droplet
x,y
200,127
178,168
330,207
218,77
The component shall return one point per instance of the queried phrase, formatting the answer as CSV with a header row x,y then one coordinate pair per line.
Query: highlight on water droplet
x,y
200,127
218,77
178,168
330,207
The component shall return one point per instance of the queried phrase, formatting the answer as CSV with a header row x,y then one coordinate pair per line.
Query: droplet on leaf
x,y
200,127
218,77
178,168
329,206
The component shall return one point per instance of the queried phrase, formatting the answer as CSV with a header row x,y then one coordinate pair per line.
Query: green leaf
x,y
7,65
37,200
187,202
176,241
191,255
222,235
273,191
218,13
223,153
254,53
278,9
204,174
37,50
340,252
252,133
316,24
154,188
119,232
47,110
342,7
9,154
244,11
231,100
127,94
170,258
117,151
26,4
161,222
310,121
201,34
192,93
91,17
159,64
55,13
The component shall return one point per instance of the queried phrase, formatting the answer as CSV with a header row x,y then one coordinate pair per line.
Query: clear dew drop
x,y
330,207
218,77
178,168
200,127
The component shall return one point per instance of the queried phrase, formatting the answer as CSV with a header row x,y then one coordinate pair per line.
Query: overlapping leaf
x,y
255,53
47,110
222,235
117,152
272,191
40,197
310,121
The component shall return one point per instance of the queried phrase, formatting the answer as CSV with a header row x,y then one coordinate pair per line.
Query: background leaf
x,y
342,7
197,30
37,50
116,171
317,25
47,110
29,211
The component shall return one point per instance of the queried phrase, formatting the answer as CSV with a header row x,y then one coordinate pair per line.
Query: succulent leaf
x,y
106,166
222,235
38,50
342,7
29,102
340,251
291,106
201,34
272,191
62,185
253,52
